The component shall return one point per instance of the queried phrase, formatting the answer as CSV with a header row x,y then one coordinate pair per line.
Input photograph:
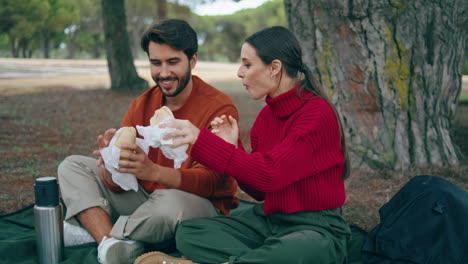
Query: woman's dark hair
x,y
176,33
279,43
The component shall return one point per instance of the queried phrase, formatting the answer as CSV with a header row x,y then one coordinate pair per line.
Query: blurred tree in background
x,y
35,25
60,14
85,35
74,28
123,74
221,37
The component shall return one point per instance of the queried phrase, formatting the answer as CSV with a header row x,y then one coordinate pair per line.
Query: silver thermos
x,y
48,221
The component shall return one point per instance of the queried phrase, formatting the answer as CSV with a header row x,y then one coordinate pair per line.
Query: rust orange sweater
x,y
204,104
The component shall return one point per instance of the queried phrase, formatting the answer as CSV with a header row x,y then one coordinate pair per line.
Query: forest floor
x,y
44,119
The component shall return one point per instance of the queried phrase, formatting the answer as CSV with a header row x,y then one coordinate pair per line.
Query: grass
x,y
463,99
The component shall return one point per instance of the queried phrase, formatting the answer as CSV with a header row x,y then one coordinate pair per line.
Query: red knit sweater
x,y
296,162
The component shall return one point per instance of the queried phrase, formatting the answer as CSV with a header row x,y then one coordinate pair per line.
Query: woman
x,y
297,166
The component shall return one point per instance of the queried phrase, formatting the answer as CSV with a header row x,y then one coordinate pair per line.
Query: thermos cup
x,y
48,221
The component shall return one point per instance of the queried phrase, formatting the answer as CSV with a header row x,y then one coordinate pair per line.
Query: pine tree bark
x,y
393,69
122,70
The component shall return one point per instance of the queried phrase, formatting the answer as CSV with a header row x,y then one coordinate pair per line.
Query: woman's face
x,y
255,75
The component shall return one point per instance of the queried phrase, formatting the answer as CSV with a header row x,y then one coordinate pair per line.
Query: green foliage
x,y
19,19
463,97
141,13
221,37
269,14
62,13
4,41
77,25
24,22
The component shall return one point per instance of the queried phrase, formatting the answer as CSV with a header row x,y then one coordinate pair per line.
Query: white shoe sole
x,y
123,252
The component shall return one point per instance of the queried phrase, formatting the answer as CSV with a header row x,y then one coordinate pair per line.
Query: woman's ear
x,y
276,67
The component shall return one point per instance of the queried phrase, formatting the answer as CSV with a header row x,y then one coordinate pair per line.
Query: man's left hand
x,y
135,161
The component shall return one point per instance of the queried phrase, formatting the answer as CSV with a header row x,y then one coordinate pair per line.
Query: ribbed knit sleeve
x,y
306,151
212,151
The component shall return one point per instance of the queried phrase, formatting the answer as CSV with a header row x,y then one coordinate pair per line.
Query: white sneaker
x,y
117,251
74,235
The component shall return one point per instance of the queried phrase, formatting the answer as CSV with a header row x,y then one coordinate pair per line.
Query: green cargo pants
x,y
250,236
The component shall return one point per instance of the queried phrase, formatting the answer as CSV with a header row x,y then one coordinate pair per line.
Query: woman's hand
x,y
185,133
226,128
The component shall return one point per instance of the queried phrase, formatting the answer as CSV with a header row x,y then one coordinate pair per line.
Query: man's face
x,y
170,68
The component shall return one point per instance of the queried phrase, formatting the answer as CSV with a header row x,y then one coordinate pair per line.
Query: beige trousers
x,y
141,216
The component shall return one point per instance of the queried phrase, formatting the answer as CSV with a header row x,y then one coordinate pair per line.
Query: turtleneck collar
x,y
287,103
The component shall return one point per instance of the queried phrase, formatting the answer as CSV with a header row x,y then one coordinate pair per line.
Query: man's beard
x,y
182,83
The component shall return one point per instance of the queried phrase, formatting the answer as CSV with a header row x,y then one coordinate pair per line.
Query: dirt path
x,y
465,83
19,76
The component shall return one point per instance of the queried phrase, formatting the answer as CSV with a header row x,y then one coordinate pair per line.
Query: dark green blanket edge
x,y
18,241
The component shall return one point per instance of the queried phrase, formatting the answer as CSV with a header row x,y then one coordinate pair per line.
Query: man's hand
x,y
226,128
102,142
136,162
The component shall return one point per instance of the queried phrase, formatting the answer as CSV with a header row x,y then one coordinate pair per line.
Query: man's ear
x,y
276,67
193,60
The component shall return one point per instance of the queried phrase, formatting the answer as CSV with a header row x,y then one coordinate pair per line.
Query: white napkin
x,y
153,136
111,157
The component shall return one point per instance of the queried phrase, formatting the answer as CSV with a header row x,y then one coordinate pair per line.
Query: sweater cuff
x,y
212,151
188,180
112,188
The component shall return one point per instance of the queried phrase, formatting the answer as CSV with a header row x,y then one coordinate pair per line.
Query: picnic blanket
x,y
18,241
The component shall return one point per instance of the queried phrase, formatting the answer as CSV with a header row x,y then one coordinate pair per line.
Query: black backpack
x,y
425,222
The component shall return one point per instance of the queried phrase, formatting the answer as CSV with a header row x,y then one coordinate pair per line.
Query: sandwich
x,y
126,136
160,115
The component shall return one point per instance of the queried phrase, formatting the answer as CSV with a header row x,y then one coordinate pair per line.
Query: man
x,y
120,221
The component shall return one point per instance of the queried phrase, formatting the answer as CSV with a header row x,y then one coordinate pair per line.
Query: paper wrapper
x,y
111,157
153,136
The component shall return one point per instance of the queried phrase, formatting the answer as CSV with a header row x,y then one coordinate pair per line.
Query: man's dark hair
x,y
176,33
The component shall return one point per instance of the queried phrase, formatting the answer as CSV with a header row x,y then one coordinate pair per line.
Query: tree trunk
x,y
393,69
137,29
119,57
46,43
97,46
72,44
14,47
161,6
24,48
